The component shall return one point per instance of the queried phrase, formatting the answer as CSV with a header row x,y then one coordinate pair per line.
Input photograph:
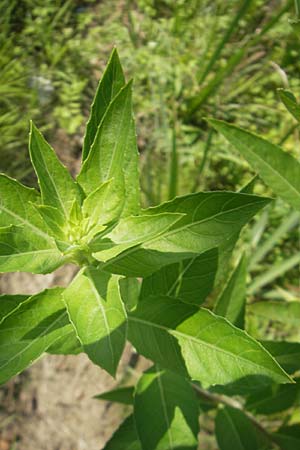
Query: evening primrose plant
x,y
143,276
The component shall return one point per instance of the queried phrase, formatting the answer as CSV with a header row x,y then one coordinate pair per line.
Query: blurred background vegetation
x,y
190,59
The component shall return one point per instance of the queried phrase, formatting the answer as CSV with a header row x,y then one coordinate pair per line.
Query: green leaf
x,y
9,304
288,437
149,326
273,399
287,354
166,411
277,168
125,438
249,187
110,84
190,280
130,232
58,188
22,250
103,205
30,330
68,344
290,102
214,351
113,154
234,430
211,220
98,315
122,395
231,303
130,290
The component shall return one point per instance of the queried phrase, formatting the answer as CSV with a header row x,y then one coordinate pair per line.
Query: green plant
x,y
202,358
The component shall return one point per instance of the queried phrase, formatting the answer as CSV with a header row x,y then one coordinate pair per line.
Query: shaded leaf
x,y
166,411
9,303
273,399
287,354
190,280
231,303
30,330
98,315
235,431
125,438
288,437
122,395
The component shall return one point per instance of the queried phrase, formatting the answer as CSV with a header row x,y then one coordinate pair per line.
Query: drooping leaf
x,y
287,354
290,102
277,168
288,437
231,303
109,86
190,280
211,220
273,399
30,330
125,438
113,152
165,411
130,232
213,350
58,188
122,395
23,250
9,303
98,315
234,430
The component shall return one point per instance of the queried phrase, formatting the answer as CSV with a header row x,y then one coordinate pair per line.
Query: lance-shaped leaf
x,y
288,437
211,220
234,430
290,102
287,354
213,350
231,303
98,315
166,411
9,304
277,168
130,232
22,250
109,86
30,330
122,395
114,153
58,188
190,280
125,438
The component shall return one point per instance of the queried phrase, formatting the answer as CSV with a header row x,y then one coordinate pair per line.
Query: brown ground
x,y
51,405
